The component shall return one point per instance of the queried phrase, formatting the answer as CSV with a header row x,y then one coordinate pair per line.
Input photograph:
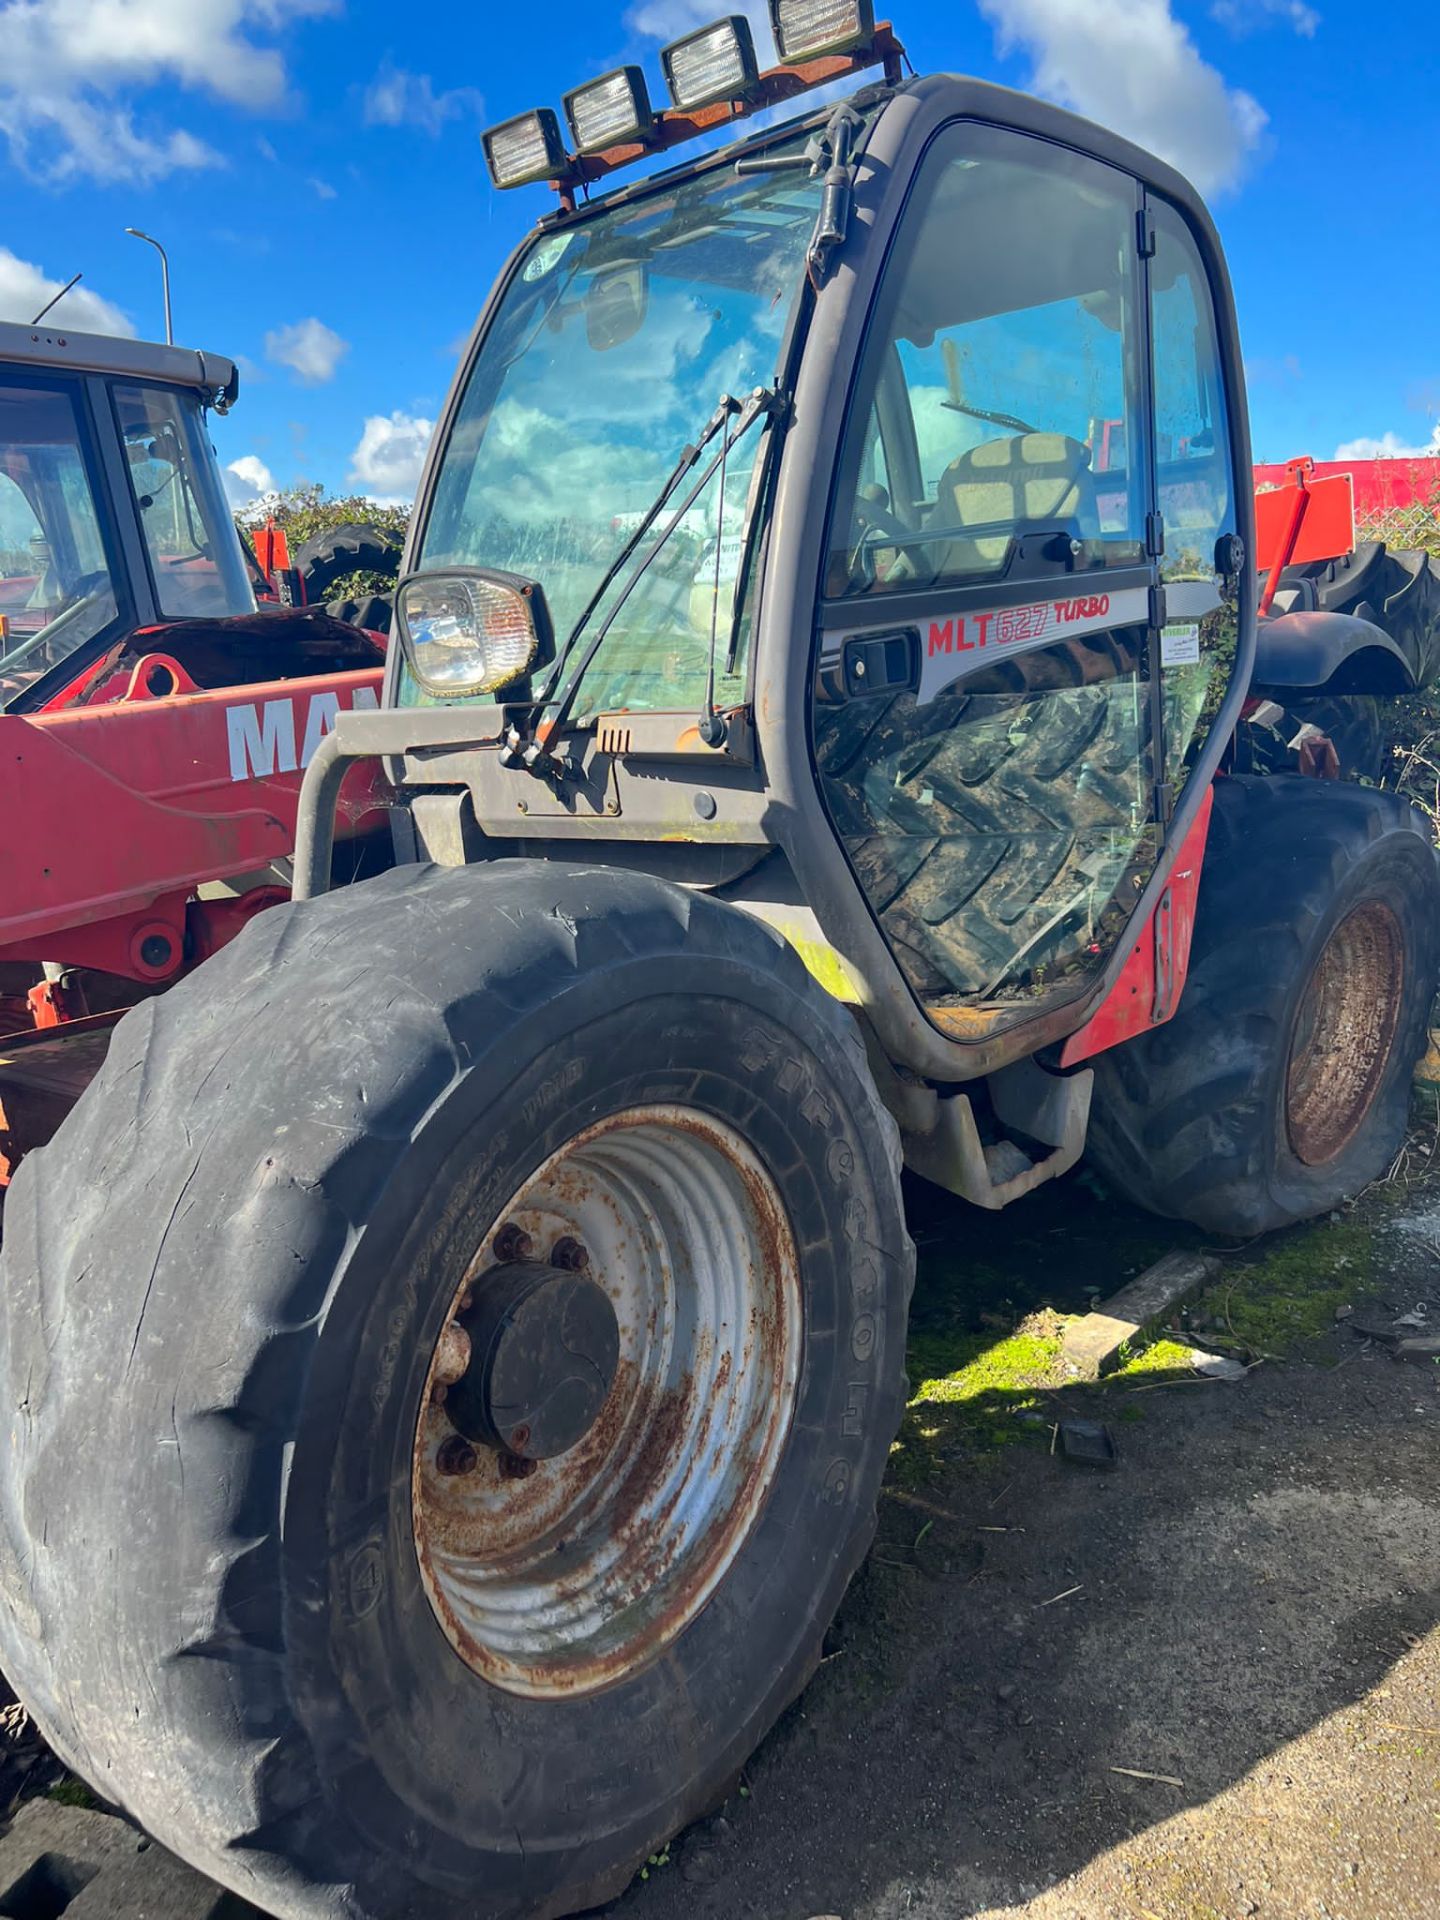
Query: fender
x,y
1336,652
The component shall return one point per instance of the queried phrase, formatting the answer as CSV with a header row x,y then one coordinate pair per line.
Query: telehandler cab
x,y
453,1348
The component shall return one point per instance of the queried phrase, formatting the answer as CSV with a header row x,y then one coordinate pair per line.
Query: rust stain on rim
x,y
584,1570
1344,1032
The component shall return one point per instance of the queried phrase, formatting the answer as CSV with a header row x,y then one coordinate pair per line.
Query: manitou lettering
x,y
262,736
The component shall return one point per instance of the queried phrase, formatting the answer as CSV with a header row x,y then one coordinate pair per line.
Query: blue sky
x,y
313,168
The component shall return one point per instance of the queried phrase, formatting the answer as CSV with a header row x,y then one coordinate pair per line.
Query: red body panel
x,y
129,806
1153,978
1380,485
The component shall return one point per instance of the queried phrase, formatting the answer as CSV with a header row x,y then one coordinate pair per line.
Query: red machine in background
x,y
155,723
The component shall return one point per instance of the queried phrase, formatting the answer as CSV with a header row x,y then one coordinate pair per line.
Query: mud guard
x,y
1336,652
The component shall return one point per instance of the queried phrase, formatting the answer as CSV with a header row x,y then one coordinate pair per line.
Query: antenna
x,y
164,276
55,299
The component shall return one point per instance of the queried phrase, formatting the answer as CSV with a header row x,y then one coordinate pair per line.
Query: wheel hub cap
x,y
544,1346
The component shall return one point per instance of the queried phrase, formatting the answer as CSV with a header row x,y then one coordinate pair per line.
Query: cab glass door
x,y
985,705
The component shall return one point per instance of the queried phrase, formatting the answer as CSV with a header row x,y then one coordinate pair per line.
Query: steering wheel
x,y
86,589
874,517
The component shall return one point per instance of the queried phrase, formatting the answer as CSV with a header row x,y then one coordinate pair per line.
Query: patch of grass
x,y
967,1390
1289,1292
970,1391
72,1793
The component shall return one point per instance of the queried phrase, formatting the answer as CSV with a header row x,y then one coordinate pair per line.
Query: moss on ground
x,y
985,1373
1286,1294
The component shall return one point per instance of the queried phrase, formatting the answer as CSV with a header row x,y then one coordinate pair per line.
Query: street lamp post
x,y
165,278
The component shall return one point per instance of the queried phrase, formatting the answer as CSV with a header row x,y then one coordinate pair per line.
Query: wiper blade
x,y
764,400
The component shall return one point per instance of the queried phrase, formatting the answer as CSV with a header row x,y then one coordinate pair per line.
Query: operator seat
x,y
1030,481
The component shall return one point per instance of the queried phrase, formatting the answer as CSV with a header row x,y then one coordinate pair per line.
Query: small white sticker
x,y
1180,644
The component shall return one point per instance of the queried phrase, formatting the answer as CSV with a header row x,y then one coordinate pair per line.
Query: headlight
x,y
526,148
805,29
472,631
610,111
716,63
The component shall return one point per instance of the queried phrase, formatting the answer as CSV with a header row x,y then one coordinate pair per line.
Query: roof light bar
x,y
609,111
806,28
526,148
715,63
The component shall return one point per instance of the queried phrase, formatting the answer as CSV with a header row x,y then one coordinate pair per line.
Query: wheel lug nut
x,y
513,1243
513,1467
570,1254
456,1456
452,1356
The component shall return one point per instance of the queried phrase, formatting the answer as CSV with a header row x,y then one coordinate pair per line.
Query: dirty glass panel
x,y
56,592
1006,442
611,349
1196,494
195,556
1003,830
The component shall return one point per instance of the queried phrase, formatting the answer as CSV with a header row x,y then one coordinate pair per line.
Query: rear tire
x,y
1281,1087
337,553
236,1261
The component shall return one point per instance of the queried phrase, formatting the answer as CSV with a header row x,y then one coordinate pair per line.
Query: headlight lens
x,y
526,148
609,111
715,63
806,28
472,632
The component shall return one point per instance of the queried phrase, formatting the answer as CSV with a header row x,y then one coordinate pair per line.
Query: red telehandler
x,y
155,724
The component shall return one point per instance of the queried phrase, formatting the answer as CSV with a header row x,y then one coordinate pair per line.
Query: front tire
x,y
1281,1086
229,1292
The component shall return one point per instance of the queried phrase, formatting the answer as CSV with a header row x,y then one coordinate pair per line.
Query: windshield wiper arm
x,y
764,400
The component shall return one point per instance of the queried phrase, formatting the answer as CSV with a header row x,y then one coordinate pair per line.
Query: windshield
x,y
56,591
195,555
610,350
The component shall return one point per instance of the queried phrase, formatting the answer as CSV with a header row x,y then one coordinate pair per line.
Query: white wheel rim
x,y
579,1573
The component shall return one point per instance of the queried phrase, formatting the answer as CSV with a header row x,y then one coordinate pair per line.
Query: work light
x,y
805,28
526,148
609,111
716,63
472,630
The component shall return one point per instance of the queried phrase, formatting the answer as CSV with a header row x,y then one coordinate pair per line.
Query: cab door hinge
x,y
1157,609
1145,233
1154,534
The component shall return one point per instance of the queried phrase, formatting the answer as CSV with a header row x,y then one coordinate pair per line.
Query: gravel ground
x,y
1255,1617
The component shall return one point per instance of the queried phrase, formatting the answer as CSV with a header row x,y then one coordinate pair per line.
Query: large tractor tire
x,y
338,552
453,1351
1281,1087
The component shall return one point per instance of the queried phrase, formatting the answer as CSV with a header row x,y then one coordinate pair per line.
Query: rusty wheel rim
x,y
561,1576
1343,1034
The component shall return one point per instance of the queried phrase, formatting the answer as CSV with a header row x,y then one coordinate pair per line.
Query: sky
x,y
313,168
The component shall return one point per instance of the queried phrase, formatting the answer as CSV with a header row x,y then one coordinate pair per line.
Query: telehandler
x,y
452,1350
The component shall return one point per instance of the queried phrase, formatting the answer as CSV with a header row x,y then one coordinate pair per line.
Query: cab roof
x,y
209,374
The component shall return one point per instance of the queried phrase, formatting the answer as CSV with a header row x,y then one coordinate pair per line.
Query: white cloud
x,y
310,349
1131,65
395,98
390,454
1245,16
25,289
666,20
321,189
1389,446
247,481
65,66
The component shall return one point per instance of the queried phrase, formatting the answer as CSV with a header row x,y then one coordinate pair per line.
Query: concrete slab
x,y
1092,1344
73,1863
